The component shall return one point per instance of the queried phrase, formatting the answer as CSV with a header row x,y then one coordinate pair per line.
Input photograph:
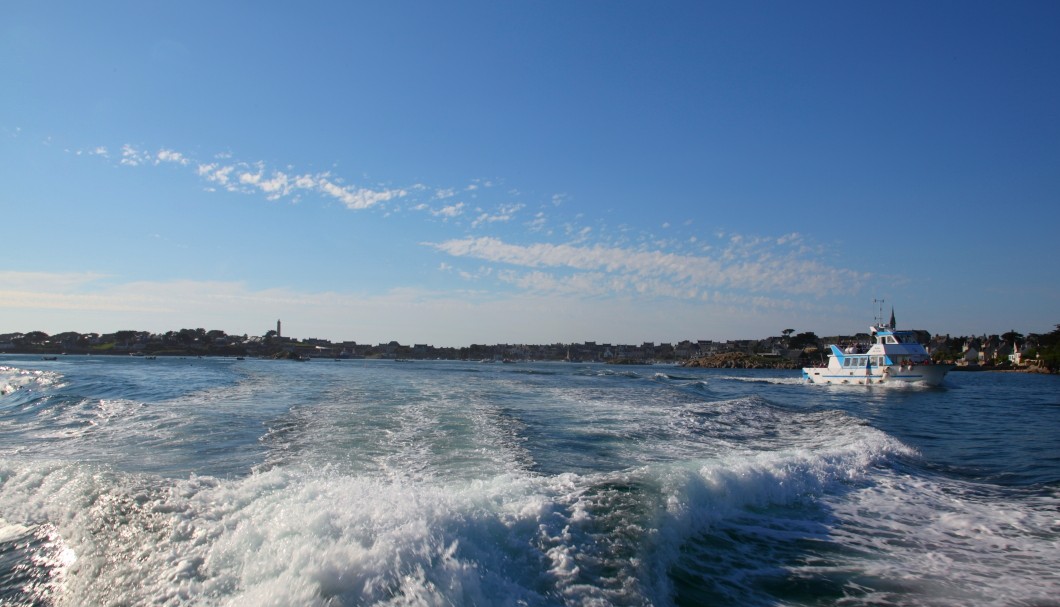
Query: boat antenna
x,y
879,318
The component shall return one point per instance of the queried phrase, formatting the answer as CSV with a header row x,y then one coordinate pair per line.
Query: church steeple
x,y
892,319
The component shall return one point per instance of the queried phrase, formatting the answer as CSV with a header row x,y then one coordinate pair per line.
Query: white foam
x,y
432,435
306,537
955,543
13,379
10,531
788,381
698,496
287,537
699,493
309,536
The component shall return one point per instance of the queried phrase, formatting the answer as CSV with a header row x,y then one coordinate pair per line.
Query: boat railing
x,y
856,348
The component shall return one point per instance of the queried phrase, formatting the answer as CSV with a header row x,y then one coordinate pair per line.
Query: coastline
x,y
725,360
740,360
989,369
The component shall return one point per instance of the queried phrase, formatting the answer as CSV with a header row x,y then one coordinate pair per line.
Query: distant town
x,y
792,350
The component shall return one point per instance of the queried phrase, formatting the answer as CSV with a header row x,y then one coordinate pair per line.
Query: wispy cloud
x,y
98,293
251,178
503,214
165,155
456,318
357,198
450,211
48,281
216,173
749,267
223,172
537,224
131,156
594,261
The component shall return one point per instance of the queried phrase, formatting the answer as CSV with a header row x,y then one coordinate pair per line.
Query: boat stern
x,y
814,375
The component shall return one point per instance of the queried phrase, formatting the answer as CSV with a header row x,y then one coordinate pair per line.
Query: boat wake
x,y
311,536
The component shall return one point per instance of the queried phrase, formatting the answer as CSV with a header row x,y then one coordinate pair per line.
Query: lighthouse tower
x,y
278,333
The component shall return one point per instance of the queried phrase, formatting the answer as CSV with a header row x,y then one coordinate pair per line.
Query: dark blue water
x,y
216,481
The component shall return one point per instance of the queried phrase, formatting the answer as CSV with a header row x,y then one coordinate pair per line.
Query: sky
x,y
454,173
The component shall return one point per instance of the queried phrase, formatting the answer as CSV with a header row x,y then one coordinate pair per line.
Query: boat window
x,y
891,339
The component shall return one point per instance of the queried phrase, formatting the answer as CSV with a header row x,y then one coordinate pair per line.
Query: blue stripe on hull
x,y
931,375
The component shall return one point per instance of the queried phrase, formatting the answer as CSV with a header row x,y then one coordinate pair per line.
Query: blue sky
x,y
456,173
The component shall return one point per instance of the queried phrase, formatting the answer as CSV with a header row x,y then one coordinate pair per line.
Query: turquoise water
x,y
223,482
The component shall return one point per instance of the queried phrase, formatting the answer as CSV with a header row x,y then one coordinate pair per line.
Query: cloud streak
x,y
248,179
504,214
763,271
255,178
600,269
448,318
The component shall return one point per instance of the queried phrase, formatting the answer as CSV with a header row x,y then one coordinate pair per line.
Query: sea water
x,y
130,481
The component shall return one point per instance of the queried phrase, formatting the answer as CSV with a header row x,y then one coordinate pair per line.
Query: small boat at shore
x,y
894,357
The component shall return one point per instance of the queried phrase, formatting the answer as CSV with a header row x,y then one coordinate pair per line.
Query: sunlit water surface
x,y
221,482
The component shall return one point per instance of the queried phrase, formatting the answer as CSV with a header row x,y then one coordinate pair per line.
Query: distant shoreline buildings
x,y
786,351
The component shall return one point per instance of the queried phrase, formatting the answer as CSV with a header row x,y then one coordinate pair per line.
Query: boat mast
x,y
879,317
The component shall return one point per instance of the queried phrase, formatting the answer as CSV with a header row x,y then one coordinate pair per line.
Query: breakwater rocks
x,y
739,360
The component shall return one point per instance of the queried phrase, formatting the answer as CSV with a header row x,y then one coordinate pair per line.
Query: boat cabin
x,y
891,347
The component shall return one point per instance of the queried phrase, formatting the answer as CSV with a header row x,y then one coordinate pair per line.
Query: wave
x,y
607,371
689,383
43,549
673,376
13,379
752,524
764,380
947,542
322,487
315,536
177,417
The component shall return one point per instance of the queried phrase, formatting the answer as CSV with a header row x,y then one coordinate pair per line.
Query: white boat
x,y
894,357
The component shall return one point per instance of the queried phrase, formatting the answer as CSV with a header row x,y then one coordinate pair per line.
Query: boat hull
x,y
931,375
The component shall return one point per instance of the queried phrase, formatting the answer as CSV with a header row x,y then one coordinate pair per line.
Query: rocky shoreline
x,y
740,360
